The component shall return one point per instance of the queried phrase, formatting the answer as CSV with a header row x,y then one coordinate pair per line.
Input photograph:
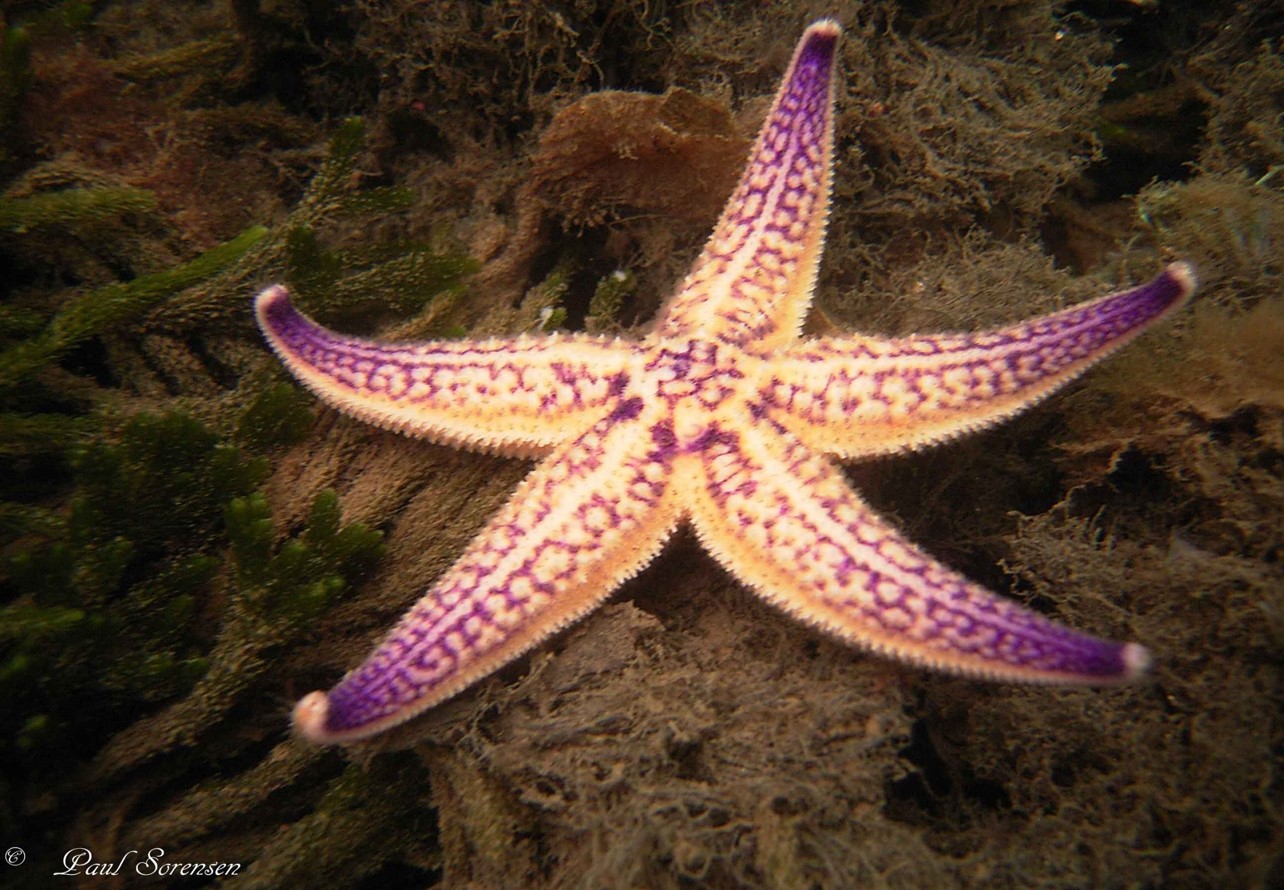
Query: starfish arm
x,y
785,523
859,396
514,396
752,284
587,518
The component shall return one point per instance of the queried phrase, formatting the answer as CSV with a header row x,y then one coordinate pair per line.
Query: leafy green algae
x,y
275,592
148,590
105,601
104,309
15,78
81,208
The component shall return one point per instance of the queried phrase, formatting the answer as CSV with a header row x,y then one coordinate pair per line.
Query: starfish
x,y
723,417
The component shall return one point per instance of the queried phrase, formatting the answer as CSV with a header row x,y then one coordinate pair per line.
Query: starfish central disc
x,y
697,384
724,418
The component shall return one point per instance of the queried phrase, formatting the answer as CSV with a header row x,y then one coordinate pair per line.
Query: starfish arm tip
x,y
1184,274
826,27
1136,661
271,297
275,312
309,719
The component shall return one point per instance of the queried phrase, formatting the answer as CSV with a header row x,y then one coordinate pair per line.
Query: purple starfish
x,y
723,418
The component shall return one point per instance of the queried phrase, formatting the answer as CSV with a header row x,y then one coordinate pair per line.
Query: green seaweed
x,y
82,209
110,607
60,17
607,302
363,816
37,433
404,275
276,591
105,600
15,77
278,414
116,304
397,277
148,589
292,584
114,593
216,53
547,300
